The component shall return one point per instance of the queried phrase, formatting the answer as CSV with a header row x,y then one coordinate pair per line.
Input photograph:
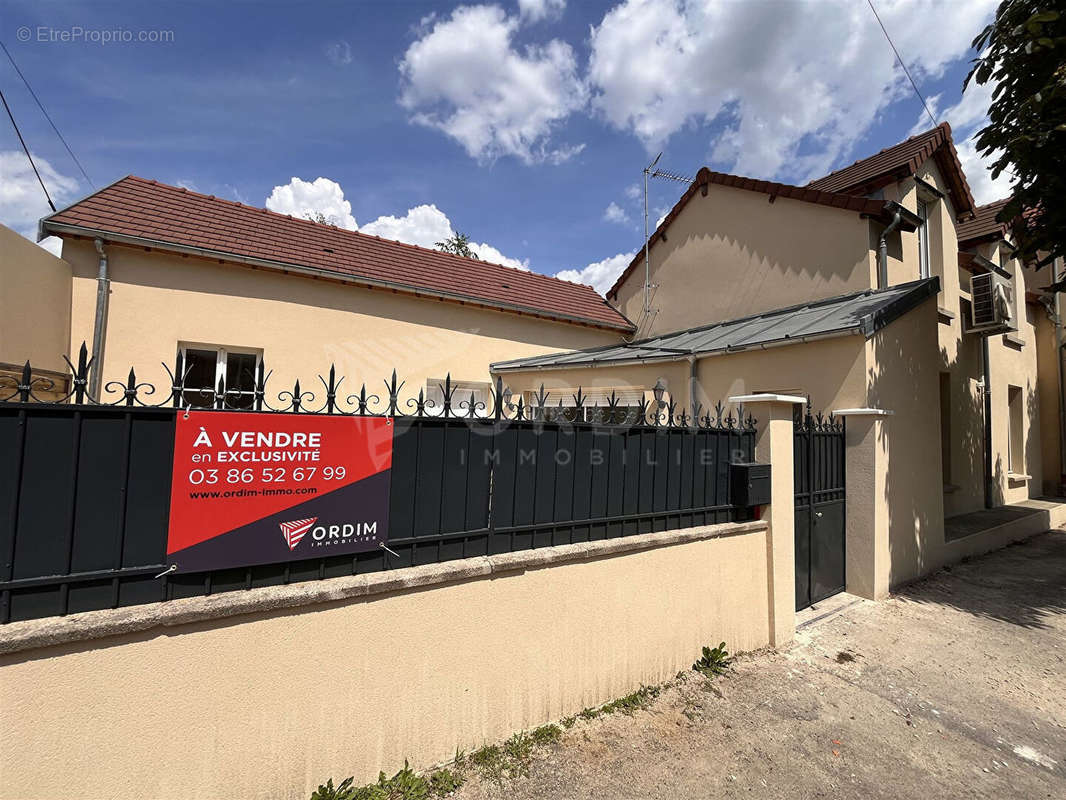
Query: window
x,y
206,364
945,426
461,397
594,406
1015,446
923,240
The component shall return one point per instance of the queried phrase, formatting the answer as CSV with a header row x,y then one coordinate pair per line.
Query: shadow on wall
x,y
905,379
1023,584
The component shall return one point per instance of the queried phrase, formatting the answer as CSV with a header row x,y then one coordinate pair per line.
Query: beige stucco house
x,y
155,274
853,291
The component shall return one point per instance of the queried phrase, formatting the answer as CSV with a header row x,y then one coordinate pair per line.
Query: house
x,y
853,291
162,274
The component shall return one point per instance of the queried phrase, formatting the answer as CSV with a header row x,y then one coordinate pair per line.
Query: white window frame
x,y
1015,430
461,390
924,266
595,400
221,359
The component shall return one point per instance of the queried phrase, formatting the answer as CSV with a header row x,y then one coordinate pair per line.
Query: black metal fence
x,y
819,458
85,483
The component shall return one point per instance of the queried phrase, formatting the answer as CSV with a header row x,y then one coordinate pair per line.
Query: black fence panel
x,y
85,484
819,457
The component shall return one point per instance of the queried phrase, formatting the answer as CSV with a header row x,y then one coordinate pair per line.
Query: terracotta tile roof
x,y
168,215
706,177
901,160
983,226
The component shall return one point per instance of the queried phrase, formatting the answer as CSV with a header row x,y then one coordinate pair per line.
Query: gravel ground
x,y
956,687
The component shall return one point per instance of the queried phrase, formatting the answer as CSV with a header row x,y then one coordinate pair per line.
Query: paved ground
x,y
955,688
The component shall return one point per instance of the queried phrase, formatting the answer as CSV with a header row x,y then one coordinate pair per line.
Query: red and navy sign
x,y
266,488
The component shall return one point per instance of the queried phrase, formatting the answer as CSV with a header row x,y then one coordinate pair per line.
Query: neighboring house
x,y
229,288
34,315
853,291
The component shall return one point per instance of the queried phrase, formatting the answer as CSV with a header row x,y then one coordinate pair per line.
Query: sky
x,y
523,124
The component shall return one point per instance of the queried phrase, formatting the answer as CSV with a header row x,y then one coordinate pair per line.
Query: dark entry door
x,y
819,498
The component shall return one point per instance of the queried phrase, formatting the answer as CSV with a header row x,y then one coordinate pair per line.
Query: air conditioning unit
x,y
992,302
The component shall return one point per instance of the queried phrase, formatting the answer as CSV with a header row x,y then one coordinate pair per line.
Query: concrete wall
x,y
34,304
301,324
904,480
733,253
269,704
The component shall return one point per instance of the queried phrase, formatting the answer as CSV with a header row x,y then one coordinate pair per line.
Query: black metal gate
x,y
819,499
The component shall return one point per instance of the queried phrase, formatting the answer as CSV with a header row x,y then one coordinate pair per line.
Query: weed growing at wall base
x,y
404,785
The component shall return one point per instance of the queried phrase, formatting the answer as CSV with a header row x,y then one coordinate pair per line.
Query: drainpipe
x,y
986,390
103,290
1059,343
692,387
882,248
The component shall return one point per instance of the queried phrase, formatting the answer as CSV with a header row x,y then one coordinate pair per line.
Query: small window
x,y
205,365
1015,444
595,406
923,240
462,394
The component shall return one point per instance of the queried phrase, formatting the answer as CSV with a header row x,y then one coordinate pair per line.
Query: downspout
x,y
882,250
103,290
692,388
1059,343
987,392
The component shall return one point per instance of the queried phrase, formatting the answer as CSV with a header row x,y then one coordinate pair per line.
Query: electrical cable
x,y
26,150
37,100
900,59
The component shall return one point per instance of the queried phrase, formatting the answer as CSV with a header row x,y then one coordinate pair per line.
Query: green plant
x,y
546,735
714,661
444,781
326,791
632,701
568,722
488,761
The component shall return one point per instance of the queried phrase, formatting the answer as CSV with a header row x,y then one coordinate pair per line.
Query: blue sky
x,y
524,125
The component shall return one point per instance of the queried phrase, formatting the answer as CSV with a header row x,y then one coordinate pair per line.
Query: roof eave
x,y
48,227
851,330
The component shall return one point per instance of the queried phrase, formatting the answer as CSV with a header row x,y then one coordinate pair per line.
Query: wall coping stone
x,y
31,634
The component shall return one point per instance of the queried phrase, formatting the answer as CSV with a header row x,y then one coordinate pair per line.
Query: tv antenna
x,y
651,172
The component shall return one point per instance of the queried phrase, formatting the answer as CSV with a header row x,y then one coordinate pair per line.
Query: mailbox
x,y
750,484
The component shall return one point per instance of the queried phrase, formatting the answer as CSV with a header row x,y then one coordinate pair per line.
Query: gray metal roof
x,y
857,313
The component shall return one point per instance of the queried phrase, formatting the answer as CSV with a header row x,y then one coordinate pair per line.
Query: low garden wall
x,y
266,693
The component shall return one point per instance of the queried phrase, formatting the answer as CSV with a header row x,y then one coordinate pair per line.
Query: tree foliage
x,y
1023,52
457,244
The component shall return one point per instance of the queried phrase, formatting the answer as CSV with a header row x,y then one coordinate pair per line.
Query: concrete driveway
x,y
954,688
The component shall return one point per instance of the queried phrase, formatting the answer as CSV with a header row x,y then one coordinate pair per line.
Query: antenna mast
x,y
651,172
647,259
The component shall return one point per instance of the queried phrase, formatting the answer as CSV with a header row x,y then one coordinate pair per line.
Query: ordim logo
x,y
294,531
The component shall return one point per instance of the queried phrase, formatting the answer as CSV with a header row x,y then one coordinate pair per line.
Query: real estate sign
x,y
252,488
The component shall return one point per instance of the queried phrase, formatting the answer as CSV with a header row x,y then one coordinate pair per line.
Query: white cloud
x,y
466,77
769,71
536,10
615,213
302,198
966,118
339,53
22,203
600,275
423,225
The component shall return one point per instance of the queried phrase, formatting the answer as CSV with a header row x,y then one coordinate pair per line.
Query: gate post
x,y
774,444
866,514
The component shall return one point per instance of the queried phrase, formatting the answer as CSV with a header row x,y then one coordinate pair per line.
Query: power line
x,y
26,150
37,100
901,63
